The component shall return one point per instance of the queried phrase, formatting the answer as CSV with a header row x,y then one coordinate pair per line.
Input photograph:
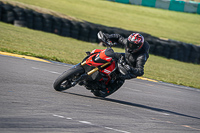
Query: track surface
x,y
28,103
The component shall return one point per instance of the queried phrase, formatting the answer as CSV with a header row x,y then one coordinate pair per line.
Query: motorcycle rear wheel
x,y
64,81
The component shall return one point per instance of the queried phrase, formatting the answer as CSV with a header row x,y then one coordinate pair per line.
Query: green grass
x,y
180,26
173,71
50,46
41,44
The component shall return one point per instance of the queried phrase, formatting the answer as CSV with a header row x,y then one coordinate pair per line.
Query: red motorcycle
x,y
98,72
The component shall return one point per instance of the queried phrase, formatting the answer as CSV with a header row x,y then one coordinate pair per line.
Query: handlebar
x,y
104,39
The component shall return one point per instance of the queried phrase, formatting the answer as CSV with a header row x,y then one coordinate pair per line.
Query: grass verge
x,y
53,47
179,26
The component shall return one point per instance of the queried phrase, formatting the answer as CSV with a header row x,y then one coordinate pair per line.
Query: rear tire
x,y
64,81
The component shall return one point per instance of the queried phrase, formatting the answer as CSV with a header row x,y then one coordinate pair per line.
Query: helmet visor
x,y
133,46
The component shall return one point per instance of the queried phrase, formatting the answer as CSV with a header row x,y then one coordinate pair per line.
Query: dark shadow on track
x,y
135,105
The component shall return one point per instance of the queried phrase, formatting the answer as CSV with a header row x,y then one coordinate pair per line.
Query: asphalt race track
x,y
29,104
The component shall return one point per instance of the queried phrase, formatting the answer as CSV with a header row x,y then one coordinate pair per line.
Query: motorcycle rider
x,y
131,63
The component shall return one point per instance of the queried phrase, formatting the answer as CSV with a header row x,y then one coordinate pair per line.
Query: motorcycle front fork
x,y
85,75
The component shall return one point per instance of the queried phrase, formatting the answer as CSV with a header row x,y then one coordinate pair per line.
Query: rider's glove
x,y
128,68
125,69
129,74
104,37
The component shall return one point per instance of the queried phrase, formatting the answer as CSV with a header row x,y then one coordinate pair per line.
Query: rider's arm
x,y
139,69
116,38
141,60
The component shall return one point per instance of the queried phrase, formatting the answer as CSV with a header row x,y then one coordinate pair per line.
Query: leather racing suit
x,y
135,61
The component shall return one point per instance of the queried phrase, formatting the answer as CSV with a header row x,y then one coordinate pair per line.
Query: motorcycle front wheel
x,y
64,81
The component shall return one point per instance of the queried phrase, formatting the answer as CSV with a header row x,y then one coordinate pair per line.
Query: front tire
x,y
64,81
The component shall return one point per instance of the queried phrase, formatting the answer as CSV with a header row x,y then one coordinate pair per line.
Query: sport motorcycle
x,y
98,72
